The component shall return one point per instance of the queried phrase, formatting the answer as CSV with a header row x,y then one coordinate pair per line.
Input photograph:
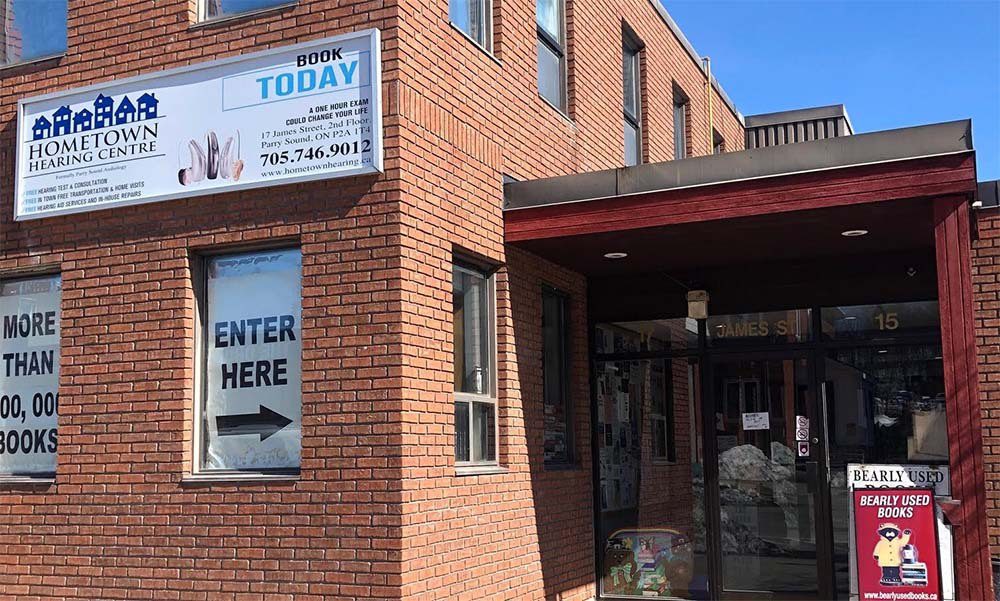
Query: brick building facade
x,y
378,509
985,282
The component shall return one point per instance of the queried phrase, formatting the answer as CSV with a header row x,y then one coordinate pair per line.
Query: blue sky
x,y
891,63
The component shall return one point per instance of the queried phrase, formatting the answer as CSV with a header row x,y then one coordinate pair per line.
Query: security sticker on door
x,y
803,448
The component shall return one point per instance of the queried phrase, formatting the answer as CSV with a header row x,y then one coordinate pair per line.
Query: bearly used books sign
x,y
303,112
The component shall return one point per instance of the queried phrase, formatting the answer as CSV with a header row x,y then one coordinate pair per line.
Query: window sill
x,y
663,462
31,62
561,112
27,480
483,49
479,470
235,478
222,20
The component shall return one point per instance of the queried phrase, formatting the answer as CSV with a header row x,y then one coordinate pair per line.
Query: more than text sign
x,y
29,376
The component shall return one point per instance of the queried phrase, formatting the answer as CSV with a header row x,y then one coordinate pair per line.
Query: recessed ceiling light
x,y
615,255
883,351
854,233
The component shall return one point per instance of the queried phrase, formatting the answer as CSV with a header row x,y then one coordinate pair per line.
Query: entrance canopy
x,y
865,219
759,223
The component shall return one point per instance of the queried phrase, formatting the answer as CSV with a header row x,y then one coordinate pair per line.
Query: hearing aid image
x,y
211,162
195,172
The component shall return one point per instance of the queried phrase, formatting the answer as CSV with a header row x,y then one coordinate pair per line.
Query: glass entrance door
x,y
765,435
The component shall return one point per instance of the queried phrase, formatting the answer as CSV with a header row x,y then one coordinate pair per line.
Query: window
x,y
558,435
212,9
718,143
551,21
29,376
474,18
32,29
632,102
250,411
475,376
661,390
680,125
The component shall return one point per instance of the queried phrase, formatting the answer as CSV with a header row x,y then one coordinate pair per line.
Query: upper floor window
x,y
680,125
32,29
474,319
474,18
718,143
550,16
212,9
632,101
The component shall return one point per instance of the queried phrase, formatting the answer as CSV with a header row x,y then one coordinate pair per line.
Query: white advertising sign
x,y
757,421
938,477
253,398
303,112
29,376
860,475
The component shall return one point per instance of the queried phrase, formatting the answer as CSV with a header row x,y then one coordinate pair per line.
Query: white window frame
x,y
199,279
204,17
559,47
486,25
471,466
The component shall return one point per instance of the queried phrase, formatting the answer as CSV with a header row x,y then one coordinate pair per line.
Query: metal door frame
x,y
821,495
815,351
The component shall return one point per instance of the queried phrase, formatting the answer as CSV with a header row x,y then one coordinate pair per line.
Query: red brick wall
x,y
118,523
986,288
467,119
378,511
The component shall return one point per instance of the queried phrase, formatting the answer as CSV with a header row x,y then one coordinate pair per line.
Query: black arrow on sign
x,y
265,422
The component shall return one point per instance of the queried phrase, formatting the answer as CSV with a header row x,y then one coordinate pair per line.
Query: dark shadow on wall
x,y
562,495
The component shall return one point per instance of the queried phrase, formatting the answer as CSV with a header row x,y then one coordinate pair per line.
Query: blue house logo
x,y
105,114
41,129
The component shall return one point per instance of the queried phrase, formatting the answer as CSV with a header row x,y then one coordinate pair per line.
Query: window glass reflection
x,y
547,13
639,336
549,74
652,510
765,327
887,321
767,510
883,405
219,8
31,29
471,314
